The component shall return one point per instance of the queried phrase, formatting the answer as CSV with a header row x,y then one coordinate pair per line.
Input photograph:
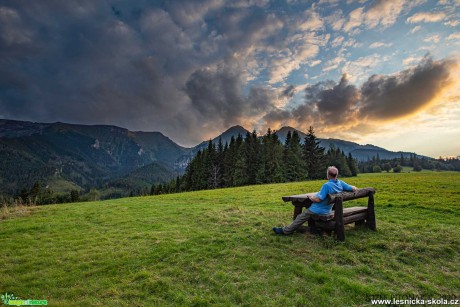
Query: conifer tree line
x,y
252,160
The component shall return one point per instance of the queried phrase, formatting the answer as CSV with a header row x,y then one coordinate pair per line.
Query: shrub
x,y
387,167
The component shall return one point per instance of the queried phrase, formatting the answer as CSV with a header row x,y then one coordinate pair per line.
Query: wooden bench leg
x,y
312,225
371,213
339,226
297,209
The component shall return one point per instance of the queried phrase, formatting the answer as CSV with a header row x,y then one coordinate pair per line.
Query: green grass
x,y
217,247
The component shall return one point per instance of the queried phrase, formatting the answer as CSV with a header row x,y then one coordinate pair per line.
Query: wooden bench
x,y
340,216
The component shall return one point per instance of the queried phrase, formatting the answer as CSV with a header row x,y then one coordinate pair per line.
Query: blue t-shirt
x,y
331,187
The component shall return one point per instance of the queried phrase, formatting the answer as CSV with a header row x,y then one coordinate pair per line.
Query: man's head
x,y
332,172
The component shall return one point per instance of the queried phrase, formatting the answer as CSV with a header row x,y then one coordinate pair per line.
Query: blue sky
x,y
380,72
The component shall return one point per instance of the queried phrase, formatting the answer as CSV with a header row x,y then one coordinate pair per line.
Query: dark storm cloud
x,y
85,63
387,97
260,99
216,94
87,67
298,116
128,63
335,105
277,118
325,102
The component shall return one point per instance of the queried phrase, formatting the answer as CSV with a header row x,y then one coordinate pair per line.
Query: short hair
x,y
332,171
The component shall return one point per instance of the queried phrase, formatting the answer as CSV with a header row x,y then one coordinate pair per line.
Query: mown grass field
x,y
217,248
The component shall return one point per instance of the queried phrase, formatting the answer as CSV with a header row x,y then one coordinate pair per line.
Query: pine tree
x,y
253,158
195,177
35,192
337,158
273,157
262,172
211,168
313,155
287,143
24,195
239,163
74,196
220,163
352,164
228,160
287,159
261,168
177,185
294,168
201,176
224,168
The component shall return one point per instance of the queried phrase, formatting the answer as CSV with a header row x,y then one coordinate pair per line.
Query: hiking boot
x,y
278,230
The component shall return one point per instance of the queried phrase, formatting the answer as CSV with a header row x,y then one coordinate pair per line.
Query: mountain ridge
x,y
225,136
95,155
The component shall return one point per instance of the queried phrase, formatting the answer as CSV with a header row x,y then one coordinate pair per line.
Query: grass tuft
x,y
16,209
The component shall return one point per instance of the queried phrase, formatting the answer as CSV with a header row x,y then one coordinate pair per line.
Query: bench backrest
x,y
359,193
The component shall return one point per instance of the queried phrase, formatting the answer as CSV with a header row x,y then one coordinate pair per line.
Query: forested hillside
x,y
257,160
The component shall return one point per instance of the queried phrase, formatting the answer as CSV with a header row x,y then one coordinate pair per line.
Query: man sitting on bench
x,y
320,205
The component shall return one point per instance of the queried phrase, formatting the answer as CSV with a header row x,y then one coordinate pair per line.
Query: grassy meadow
x,y
217,248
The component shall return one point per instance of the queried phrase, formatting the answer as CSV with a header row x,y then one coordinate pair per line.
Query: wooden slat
x,y
346,212
299,197
328,217
354,218
346,220
353,210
